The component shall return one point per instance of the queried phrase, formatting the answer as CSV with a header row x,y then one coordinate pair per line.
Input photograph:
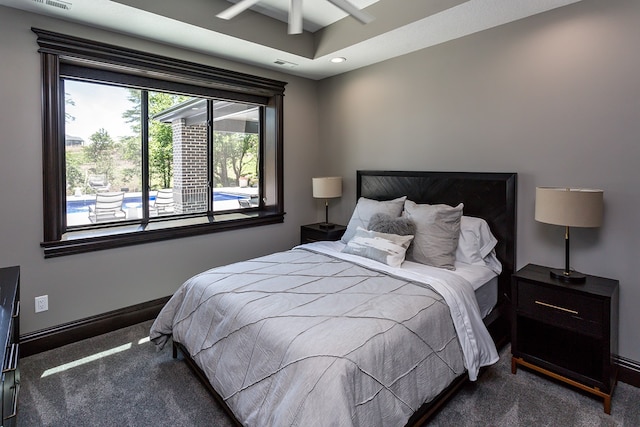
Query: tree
x,y
130,150
68,101
161,153
100,152
74,174
236,153
233,152
160,136
248,161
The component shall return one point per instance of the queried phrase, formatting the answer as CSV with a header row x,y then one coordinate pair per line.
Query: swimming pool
x,y
82,205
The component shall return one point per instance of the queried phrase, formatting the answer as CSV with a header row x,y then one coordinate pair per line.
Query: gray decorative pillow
x,y
365,208
389,249
437,233
384,223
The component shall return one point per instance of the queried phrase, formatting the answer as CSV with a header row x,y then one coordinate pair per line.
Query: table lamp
x,y
327,187
570,207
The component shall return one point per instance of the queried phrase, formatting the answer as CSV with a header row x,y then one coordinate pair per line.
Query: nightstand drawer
x,y
572,311
316,233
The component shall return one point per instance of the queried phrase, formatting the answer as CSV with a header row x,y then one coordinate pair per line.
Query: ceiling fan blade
x,y
236,9
349,7
295,17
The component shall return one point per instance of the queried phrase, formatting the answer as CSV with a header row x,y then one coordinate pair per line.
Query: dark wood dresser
x,y
9,335
566,331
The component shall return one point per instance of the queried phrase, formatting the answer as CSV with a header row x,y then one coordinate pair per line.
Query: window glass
x,y
236,162
102,152
177,154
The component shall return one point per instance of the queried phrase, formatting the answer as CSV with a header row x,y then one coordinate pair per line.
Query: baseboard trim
x,y
57,336
628,371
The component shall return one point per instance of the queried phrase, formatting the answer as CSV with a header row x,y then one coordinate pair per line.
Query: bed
x,y
324,335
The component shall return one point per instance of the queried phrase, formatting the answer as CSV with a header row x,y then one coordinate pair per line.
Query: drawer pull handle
x,y
11,363
16,391
557,307
16,312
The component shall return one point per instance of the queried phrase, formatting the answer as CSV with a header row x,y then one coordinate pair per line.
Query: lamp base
x,y
567,276
326,225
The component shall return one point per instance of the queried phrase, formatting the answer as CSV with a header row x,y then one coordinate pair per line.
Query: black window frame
x,y
58,50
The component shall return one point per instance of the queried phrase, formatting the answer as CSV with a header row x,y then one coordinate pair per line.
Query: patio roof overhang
x,y
227,116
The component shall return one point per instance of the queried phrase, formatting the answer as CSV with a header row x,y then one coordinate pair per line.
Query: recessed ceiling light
x,y
338,60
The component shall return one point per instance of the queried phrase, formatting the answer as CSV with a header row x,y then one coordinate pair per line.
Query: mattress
x,y
483,280
487,296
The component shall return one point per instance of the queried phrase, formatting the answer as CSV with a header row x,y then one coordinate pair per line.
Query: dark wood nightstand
x,y
566,331
314,233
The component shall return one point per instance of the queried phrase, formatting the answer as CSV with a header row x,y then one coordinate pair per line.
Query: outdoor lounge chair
x,y
98,182
244,203
163,204
108,207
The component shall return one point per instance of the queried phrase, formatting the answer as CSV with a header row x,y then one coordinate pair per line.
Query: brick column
x,y
189,166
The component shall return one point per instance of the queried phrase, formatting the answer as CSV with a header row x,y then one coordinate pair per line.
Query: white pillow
x,y
389,249
437,233
476,245
365,208
476,240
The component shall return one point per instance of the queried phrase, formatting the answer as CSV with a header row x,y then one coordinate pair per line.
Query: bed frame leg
x,y
175,350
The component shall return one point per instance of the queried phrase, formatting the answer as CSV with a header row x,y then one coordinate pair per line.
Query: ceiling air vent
x,y
55,3
284,63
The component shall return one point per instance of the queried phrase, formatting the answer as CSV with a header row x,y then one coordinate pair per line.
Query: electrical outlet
x,y
42,303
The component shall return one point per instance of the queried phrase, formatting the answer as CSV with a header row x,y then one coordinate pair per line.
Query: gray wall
x,y
555,98
85,285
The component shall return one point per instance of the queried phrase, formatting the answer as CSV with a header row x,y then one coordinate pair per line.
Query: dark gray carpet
x,y
138,386
500,398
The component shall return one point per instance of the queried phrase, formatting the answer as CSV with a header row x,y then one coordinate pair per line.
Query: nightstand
x,y
314,233
566,331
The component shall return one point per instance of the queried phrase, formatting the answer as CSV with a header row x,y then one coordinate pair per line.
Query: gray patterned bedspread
x,y
300,338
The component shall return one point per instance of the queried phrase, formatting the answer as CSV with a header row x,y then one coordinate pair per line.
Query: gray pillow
x,y
384,223
366,208
437,233
389,249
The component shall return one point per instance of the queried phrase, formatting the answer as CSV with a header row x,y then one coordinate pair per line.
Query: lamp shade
x,y
573,207
327,187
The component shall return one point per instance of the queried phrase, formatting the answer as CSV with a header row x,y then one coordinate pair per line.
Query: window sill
x,y
76,242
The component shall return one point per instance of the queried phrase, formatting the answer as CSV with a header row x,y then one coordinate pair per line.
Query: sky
x,y
97,106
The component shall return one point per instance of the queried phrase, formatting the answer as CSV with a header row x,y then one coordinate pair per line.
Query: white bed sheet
x,y
483,280
457,290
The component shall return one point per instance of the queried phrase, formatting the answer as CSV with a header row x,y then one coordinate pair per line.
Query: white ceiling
x,y
259,36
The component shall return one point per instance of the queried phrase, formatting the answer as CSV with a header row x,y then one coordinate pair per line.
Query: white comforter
x,y
478,347
311,337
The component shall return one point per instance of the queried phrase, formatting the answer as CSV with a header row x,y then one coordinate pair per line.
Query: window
x,y
141,148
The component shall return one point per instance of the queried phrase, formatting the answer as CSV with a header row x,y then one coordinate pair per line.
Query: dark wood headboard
x,y
491,196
